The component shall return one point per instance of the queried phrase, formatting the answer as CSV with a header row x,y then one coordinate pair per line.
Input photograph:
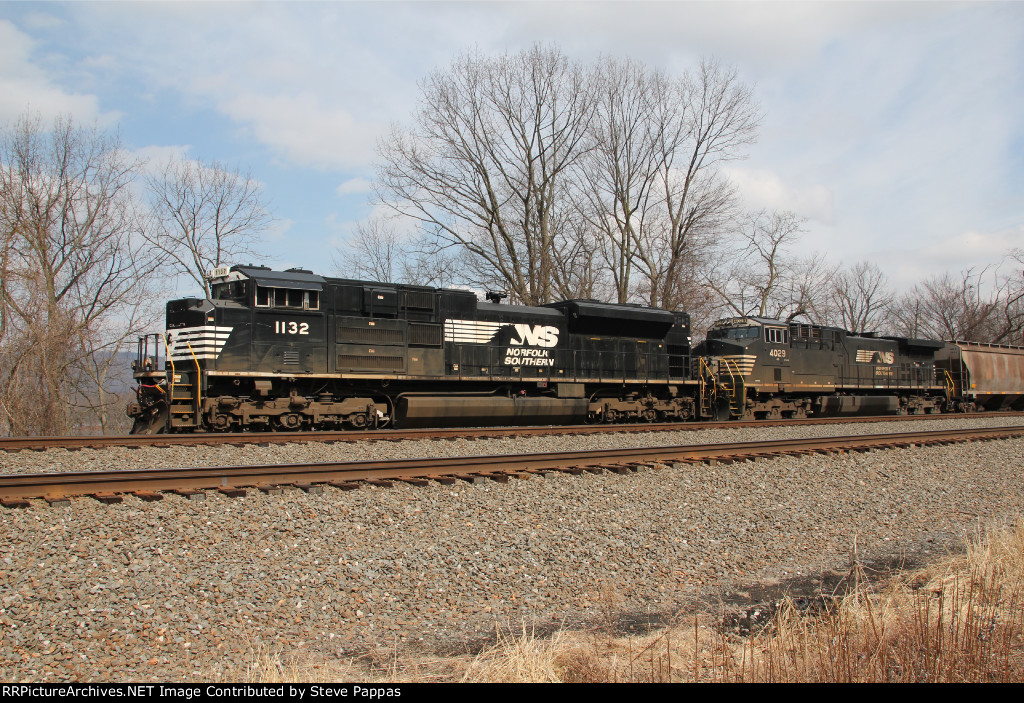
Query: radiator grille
x,y
290,357
371,363
424,335
370,335
418,301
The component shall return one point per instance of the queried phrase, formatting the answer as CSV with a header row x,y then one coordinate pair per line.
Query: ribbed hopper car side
x,y
983,376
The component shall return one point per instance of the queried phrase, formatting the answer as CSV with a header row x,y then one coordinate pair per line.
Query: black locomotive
x,y
771,369
290,350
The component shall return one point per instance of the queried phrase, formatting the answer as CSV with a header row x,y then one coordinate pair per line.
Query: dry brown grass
x,y
961,620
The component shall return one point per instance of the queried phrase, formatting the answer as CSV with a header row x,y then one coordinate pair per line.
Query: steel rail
x,y
239,438
227,478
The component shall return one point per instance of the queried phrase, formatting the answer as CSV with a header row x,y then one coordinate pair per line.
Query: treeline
x,y
548,178
527,173
90,243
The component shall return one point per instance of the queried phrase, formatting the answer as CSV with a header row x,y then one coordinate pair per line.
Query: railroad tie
x,y
14,502
345,485
472,478
415,481
107,498
233,492
620,468
443,480
192,495
58,501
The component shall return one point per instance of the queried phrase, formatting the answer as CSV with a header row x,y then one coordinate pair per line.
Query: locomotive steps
x,y
148,484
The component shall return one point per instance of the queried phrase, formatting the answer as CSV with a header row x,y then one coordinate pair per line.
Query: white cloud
x,y
306,130
763,189
278,229
965,250
25,87
156,157
889,125
354,186
310,81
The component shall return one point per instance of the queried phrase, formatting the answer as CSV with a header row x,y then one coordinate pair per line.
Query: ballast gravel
x,y
180,589
306,452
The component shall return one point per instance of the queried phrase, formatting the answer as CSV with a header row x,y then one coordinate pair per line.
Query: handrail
x,y
198,385
729,364
714,381
170,359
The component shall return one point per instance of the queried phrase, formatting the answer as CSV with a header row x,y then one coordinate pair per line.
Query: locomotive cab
x,y
748,349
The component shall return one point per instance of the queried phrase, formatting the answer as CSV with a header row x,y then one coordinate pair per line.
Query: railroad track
x,y
150,484
12,444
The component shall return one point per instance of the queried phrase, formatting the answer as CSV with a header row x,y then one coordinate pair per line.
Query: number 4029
x,y
283,327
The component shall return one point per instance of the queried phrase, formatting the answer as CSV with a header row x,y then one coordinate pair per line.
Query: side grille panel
x,y
424,335
353,362
370,335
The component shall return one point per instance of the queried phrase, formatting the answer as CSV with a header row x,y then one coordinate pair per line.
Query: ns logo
x,y
869,356
535,335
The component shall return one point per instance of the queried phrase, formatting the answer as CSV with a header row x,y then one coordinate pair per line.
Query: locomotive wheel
x,y
290,421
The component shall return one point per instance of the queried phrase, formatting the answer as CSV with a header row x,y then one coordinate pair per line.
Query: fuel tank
x,y
446,411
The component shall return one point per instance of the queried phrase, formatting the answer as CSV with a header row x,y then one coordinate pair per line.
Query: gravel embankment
x,y
179,590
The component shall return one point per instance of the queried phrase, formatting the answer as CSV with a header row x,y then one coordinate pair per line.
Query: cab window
x,y
287,298
734,333
231,290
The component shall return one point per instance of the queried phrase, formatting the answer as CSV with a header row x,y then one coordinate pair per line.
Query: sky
x,y
895,129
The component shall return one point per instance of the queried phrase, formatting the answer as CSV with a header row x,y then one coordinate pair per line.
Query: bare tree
x,y
559,179
650,182
375,252
1012,309
378,252
861,297
73,273
485,164
706,120
619,175
964,308
756,274
203,215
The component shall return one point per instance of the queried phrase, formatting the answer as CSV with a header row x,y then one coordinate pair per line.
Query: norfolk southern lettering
x,y
534,335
